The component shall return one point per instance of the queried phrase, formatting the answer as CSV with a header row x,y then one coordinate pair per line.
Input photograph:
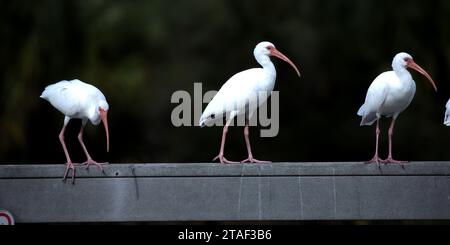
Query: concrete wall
x,y
215,192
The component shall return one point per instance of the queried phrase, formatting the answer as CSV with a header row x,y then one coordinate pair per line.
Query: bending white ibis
x,y
76,99
447,114
241,91
388,95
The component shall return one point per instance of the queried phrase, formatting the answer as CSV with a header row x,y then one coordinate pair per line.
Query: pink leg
x,y
89,160
389,159
376,159
249,149
222,147
69,164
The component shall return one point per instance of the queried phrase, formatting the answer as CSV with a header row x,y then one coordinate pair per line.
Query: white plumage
x,y
78,100
240,94
447,114
389,95
244,87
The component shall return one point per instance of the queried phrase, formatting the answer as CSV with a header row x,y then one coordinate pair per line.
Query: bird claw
x,y
223,160
388,160
253,160
392,161
376,160
69,166
90,162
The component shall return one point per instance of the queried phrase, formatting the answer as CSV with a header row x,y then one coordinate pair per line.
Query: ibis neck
x,y
94,116
402,73
267,64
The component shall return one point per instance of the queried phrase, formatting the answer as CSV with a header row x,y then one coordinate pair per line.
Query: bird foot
x,y
392,161
376,160
223,160
250,159
90,162
69,166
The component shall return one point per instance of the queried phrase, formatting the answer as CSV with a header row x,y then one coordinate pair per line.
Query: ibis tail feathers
x,y
53,89
447,114
368,118
447,118
361,110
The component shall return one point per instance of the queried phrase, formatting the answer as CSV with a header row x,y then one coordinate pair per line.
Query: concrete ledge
x,y
207,191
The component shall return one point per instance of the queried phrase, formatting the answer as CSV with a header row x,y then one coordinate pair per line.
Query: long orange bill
x,y
413,65
278,54
104,117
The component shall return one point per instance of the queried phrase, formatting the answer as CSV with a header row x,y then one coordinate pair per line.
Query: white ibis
x,y
76,99
447,114
388,95
241,91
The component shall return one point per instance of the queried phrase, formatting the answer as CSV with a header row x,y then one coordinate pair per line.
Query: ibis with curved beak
x,y
239,95
388,95
76,99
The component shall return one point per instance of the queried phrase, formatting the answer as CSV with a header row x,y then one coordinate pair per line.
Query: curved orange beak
x,y
280,55
104,117
411,64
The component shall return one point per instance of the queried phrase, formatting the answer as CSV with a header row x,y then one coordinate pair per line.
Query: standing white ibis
x,y
447,114
388,95
76,99
239,95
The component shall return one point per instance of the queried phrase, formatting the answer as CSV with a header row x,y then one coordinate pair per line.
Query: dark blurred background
x,y
140,52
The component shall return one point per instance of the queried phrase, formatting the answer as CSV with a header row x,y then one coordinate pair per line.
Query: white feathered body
x,y
76,99
241,91
447,114
388,95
